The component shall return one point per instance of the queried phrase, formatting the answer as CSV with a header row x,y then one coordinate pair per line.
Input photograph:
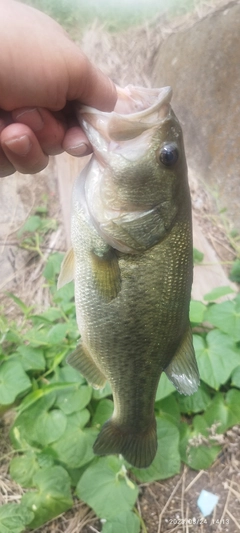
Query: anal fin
x,y
106,273
82,361
183,370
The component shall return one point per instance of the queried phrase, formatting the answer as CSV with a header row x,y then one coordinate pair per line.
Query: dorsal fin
x,y
67,269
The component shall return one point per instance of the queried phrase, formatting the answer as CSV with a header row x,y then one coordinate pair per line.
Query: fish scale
x,y
132,268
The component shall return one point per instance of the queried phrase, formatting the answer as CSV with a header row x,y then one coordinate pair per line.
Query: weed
x,y
58,415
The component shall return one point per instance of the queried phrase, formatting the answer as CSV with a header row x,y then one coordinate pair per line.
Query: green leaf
x,y
50,426
197,256
224,411
13,381
217,358
30,399
34,396
37,336
167,460
20,303
46,457
103,412
14,518
226,317
104,487
165,388
57,333
236,377
73,332
195,448
13,336
68,374
235,271
51,314
53,496
32,224
54,359
42,209
71,401
196,402
53,266
127,522
196,313
170,408
98,394
23,468
31,358
65,294
47,225
218,293
74,448
24,429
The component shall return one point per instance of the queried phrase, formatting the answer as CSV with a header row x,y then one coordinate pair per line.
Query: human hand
x,y
42,74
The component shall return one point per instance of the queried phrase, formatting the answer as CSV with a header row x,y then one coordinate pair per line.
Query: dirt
x,y
168,505
172,505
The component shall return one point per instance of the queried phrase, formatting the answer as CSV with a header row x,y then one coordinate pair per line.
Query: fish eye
x,y
168,154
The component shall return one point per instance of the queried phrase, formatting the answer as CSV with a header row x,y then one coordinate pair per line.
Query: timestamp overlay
x,y
207,521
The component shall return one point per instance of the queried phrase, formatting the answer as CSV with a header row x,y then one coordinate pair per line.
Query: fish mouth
x,y
137,110
140,102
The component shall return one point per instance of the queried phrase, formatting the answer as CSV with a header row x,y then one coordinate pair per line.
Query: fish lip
x,y
163,96
143,109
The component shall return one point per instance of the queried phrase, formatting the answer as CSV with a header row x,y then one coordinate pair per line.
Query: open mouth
x,y
137,110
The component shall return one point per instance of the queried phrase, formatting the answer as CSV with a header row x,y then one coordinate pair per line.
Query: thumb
x,y
89,86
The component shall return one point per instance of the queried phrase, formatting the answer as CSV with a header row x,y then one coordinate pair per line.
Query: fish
x,y
132,264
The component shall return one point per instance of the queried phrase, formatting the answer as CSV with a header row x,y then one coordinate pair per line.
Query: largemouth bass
x,y
131,260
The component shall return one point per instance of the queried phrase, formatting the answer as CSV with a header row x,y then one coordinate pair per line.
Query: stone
x,y
202,64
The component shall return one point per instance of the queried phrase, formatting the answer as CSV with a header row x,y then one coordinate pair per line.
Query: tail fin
x,y
139,449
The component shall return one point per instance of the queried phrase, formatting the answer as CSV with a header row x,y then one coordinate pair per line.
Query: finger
x,y
76,143
48,128
89,85
6,168
5,119
22,149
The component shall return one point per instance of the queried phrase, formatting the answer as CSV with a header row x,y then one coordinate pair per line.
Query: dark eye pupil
x,y
169,154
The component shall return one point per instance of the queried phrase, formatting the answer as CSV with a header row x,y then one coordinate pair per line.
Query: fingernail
x,y
30,117
79,150
20,145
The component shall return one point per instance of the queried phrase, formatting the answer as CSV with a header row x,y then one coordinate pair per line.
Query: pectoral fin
x,y
106,273
67,269
82,361
183,370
